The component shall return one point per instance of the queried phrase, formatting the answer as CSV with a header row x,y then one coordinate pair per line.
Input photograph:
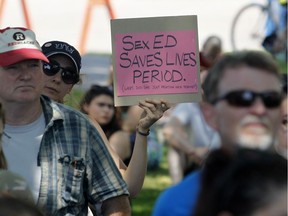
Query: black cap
x,y
51,48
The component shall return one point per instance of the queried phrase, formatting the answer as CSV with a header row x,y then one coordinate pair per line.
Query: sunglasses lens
x,y
69,77
246,98
50,69
272,99
240,98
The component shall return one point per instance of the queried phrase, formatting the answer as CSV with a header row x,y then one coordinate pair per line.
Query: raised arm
x,y
135,173
119,163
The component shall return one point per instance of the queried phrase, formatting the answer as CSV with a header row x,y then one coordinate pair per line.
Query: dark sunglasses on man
x,y
245,98
69,76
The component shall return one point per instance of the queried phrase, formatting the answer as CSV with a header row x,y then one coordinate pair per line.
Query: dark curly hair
x,y
95,91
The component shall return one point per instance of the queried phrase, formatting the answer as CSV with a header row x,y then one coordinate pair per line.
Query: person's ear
x,y
224,213
209,114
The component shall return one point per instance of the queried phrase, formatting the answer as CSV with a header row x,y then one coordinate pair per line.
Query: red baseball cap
x,y
18,44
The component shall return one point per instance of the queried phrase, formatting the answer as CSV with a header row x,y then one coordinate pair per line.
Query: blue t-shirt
x,y
179,199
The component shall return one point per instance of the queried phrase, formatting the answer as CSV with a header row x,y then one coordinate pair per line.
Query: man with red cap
x,y
54,148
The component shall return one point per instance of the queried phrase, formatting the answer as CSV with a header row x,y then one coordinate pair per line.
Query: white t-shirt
x,y
21,146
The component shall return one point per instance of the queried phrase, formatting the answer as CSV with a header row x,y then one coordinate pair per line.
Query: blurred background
x,y
85,24
66,19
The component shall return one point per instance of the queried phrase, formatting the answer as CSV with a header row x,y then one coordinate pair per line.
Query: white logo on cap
x,y
19,36
64,47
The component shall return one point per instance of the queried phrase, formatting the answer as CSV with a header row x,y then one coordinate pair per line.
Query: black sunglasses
x,y
245,98
68,76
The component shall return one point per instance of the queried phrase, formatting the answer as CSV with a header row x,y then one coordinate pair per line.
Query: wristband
x,y
143,134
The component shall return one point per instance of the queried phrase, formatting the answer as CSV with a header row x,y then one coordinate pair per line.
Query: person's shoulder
x,y
70,110
62,109
14,185
120,136
7,177
184,107
67,115
191,181
180,198
188,185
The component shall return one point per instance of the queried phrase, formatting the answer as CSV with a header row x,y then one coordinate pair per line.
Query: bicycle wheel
x,y
248,27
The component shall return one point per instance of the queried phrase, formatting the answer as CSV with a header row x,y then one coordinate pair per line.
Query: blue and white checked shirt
x,y
75,164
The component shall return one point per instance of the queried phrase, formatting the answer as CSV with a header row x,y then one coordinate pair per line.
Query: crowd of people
x,y
57,160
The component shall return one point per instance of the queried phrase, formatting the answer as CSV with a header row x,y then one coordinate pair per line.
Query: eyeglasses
x,y
68,76
245,98
102,105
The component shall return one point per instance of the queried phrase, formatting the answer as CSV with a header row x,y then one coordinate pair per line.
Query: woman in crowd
x,y
62,73
119,124
98,104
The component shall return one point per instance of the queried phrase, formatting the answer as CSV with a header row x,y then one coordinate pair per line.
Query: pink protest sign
x,y
157,58
156,63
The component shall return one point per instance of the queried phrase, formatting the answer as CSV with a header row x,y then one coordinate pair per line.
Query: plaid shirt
x,y
75,164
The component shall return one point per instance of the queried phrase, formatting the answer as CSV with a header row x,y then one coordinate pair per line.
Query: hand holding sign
x,y
153,111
